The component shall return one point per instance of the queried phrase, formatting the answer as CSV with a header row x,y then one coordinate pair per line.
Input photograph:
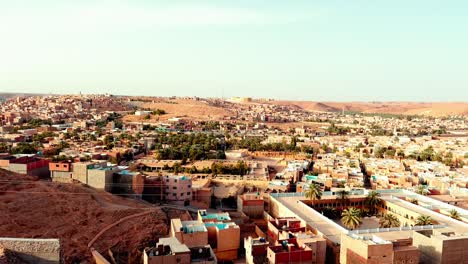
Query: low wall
x,y
40,251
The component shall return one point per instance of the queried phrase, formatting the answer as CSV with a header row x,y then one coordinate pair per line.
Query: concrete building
x,y
153,190
205,217
61,171
102,177
224,238
289,251
170,251
26,164
128,184
167,251
395,202
251,204
373,249
441,246
280,228
178,189
95,174
255,250
190,233
316,243
80,170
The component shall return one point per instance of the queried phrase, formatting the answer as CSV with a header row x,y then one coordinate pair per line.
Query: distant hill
x,y
404,108
184,108
5,96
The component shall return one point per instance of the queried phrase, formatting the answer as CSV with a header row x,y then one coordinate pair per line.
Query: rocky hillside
x,y
75,214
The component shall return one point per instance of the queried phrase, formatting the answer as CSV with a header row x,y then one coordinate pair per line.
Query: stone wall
x,y
39,251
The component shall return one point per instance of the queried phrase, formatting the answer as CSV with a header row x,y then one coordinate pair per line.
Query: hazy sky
x,y
308,50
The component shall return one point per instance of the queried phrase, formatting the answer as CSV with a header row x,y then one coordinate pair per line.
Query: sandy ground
x,y
367,223
191,109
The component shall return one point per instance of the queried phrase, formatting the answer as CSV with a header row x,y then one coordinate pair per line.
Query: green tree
x,y
343,197
380,152
389,220
422,190
159,112
424,220
455,215
330,212
427,154
177,167
373,200
401,154
24,148
4,148
313,192
351,218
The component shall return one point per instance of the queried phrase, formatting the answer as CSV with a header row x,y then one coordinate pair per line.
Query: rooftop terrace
x,y
332,231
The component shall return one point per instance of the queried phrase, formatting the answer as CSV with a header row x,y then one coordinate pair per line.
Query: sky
x,y
315,50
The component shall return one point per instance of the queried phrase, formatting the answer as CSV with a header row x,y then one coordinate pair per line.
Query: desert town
x,y
156,180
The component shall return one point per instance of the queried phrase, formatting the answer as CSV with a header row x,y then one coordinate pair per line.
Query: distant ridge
x,y
398,108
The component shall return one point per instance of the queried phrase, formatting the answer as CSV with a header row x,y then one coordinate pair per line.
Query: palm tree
x,y
422,190
313,192
455,215
342,196
413,201
373,200
424,220
330,212
351,217
389,220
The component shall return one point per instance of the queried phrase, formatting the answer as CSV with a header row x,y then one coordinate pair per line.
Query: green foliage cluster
x,y
255,144
338,130
240,168
193,146
24,148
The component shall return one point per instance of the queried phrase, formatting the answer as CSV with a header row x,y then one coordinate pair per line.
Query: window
x,y
174,188
188,193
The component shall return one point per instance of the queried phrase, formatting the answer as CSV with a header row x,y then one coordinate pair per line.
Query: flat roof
x,y
333,232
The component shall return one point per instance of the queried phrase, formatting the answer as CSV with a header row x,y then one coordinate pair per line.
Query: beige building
x,y
255,250
171,251
167,251
190,233
441,246
373,249
178,189
101,177
80,170
251,204
223,237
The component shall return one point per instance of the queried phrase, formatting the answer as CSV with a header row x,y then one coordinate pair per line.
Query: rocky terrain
x,y
76,214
